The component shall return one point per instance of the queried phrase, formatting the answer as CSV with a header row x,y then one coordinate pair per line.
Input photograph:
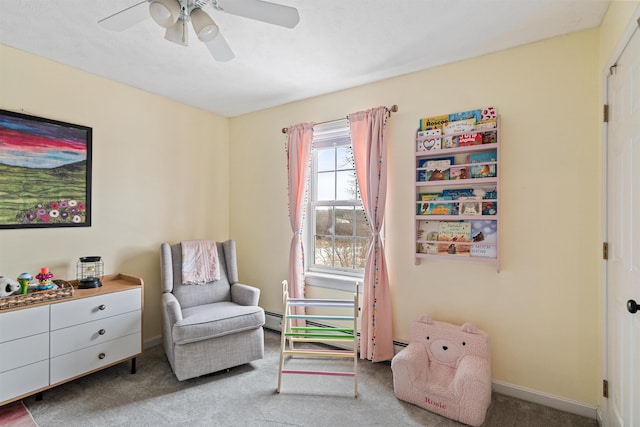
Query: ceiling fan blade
x,y
271,13
126,18
220,49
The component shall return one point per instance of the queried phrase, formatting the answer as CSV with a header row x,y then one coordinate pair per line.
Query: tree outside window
x,y
340,232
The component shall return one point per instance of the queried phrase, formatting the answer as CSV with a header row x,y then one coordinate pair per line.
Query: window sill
x,y
332,281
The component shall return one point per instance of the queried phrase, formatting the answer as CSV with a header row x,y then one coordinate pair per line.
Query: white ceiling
x,y
338,44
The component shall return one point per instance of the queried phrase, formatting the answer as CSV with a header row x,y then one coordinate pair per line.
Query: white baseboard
x,y
546,399
557,402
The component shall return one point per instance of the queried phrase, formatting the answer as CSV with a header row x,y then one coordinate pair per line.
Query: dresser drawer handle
x,y
101,332
102,356
102,307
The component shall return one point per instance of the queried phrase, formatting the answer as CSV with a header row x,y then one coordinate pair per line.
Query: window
x,y
337,231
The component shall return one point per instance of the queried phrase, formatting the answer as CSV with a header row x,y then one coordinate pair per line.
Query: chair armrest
x,y
472,376
244,294
166,268
171,308
412,353
411,362
473,386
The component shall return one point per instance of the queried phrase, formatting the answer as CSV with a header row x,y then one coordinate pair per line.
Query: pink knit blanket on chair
x,y
199,262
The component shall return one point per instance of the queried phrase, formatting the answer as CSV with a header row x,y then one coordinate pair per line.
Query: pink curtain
x,y
370,154
299,139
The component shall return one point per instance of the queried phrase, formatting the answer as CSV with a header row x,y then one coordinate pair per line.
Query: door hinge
x,y
605,113
605,388
605,250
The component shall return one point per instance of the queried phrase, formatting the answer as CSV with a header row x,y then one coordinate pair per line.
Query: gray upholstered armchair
x,y
213,326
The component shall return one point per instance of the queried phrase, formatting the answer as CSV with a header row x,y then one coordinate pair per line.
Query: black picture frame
x,y
45,172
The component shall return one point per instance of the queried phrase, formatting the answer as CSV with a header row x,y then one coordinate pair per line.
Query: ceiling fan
x,y
175,14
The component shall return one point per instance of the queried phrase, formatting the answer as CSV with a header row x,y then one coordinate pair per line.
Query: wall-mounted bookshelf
x,y
457,162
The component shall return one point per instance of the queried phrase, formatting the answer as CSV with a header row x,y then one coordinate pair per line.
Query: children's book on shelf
x,y
489,138
489,208
438,170
489,113
470,206
428,237
422,166
488,129
429,196
459,172
476,115
486,125
490,194
423,207
433,122
456,127
439,206
488,121
437,122
467,139
483,170
451,237
489,200
485,237
456,194
428,140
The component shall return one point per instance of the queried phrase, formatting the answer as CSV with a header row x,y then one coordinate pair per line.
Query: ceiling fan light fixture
x,y
203,25
165,12
178,33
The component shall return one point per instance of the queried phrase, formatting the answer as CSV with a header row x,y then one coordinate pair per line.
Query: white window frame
x,y
326,135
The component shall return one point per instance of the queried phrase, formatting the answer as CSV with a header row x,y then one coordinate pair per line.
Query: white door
x,y
623,234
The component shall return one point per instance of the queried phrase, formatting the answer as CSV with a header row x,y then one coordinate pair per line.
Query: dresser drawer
x,y
88,359
24,380
85,335
93,308
24,351
24,322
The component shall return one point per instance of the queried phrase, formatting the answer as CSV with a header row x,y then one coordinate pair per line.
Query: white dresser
x,y
45,345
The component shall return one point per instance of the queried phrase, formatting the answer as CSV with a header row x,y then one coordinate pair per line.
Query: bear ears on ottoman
x,y
445,369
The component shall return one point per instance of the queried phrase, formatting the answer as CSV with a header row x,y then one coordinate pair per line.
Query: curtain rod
x,y
392,109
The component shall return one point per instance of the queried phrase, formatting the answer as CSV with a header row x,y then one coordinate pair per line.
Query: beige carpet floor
x,y
245,396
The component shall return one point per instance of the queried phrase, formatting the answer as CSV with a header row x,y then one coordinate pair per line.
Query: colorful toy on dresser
x,y
44,279
24,284
24,279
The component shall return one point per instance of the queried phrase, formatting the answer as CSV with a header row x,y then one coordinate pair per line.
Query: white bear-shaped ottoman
x,y
445,369
8,287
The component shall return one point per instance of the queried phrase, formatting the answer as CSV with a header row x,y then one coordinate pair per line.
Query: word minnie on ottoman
x,y
445,369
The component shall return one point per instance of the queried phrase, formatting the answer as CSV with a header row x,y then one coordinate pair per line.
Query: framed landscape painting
x,y
45,172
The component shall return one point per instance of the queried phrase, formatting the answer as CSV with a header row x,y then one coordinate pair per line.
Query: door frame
x,y
622,43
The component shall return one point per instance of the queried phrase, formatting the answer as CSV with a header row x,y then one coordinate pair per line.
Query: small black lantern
x,y
89,272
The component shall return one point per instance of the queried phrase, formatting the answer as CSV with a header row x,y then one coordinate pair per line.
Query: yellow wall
x,y
612,27
160,173
541,309
163,171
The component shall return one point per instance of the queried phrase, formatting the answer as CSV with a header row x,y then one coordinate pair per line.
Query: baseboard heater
x,y
273,321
